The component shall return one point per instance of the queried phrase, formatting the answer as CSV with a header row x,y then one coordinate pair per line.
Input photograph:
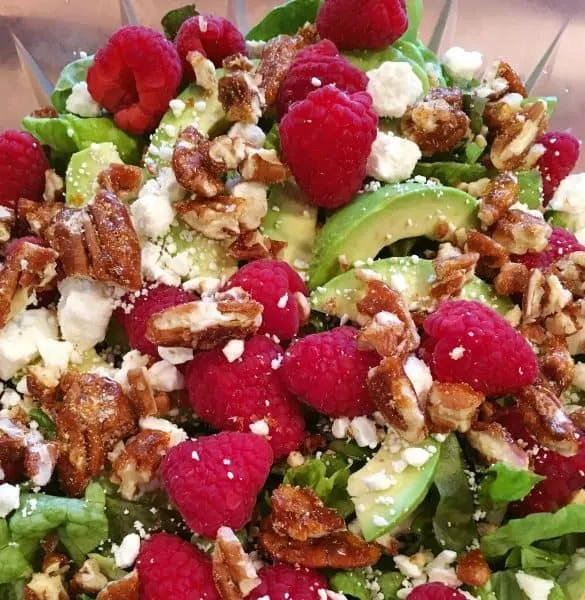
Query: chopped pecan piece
x,y
515,84
144,401
94,415
556,363
123,589
203,69
123,181
37,215
252,245
217,219
567,322
206,323
386,334
512,279
497,114
264,166
492,255
234,573
241,96
544,297
501,193
54,187
578,418
473,569
237,62
47,112
570,270
89,579
494,443
520,232
395,397
452,274
7,220
46,586
453,407
300,514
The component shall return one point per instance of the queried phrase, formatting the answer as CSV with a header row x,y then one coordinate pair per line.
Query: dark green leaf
x,y
273,139
473,152
530,183
12,591
451,173
507,484
286,18
389,584
474,107
74,72
350,583
506,587
173,20
537,562
46,425
13,564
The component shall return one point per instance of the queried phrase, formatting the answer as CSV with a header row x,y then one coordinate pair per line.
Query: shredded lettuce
x,y
286,18
350,583
46,425
507,484
451,173
13,564
172,21
74,72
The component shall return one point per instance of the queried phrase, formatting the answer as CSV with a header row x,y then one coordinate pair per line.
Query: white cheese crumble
x,y
233,350
363,431
570,198
416,457
9,498
80,101
419,374
535,588
282,301
392,158
175,356
457,353
340,427
260,428
56,355
165,377
126,553
177,106
462,64
248,132
393,87
176,434
378,482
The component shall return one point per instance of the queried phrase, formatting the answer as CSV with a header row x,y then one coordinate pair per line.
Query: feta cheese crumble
x,y
80,101
9,498
392,158
393,87
126,553
535,588
233,350
461,64
570,198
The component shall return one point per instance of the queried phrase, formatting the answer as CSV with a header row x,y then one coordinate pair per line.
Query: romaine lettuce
x,y
286,18
74,72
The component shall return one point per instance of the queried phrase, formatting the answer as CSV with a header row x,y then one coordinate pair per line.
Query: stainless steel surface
x,y
53,31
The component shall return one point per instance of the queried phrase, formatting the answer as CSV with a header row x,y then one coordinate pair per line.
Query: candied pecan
x,y
7,220
578,418
494,444
203,69
253,245
395,397
570,270
300,514
338,550
516,136
43,386
144,401
234,573
556,363
452,274
37,215
512,279
47,112
543,414
123,181
492,255
54,187
473,569
567,322
123,589
277,57
544,297
89,579
216,219
264,166
501,193
515,84
45,586
94,415
520,232
206,323
497,114
241,97
237,62
452,96
386,334
453,407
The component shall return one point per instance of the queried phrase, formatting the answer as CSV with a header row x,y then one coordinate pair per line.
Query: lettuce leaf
x,y
390,583
350,583
507,484
46,425
73,73
415,12
530,529
13,564
530,183
172,21
535,561
12,591
273,139
505,587
451,173
68,134
286,18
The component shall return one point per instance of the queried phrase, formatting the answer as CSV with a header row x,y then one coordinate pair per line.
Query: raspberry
x,y
169,567
215,37
559,159
134,76
362,24
475,345
321,65
151,301
233,396
14,245
435,591
326,140
214,480
328,372
560,243
278,287
283,582
22,167
564,475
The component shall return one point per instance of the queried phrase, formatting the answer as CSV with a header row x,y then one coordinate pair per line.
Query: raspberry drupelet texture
x,y
435,591
314,67
234,396
214,480
283,582
328,372
135,76
275,285
362,24
326,140
560,243
169,567
215,37
559,159
473,344
150,302
22,167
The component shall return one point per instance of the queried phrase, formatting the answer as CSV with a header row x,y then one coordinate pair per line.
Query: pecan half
x,y
207,323
37,215
264,166
570,270
216,219
473,569
512,279
237,62
501,193
520,232
492,255
253,245
544,297
556,363
144,401
241,96
515,84
453,273
494,444
124,181
453,407
54,187
123,589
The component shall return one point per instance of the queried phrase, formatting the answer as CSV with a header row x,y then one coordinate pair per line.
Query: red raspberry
x,y
214,480
135,76
560,158
362,24
475,345
233,396
283,582
150,302
22,167
280,290
319,64
326,140
564,475
169,567
328,372
435,591
560,243
215,37
14,245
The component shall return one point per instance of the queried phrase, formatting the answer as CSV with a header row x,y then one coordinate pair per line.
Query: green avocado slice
x,y
380,510
410,275
377,219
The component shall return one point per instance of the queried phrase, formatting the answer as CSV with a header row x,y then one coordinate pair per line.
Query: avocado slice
x,y
572,579
380,510
410,275
83,169
192,107
293,220
377,219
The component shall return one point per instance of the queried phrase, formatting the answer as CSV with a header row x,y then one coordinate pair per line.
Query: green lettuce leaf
x,y
286,18
505,587
530,183
451,173
415,12
80,524
73,73
173,20
12,591
46,425
474,107
507,484
13,564
273,139
350,583
390,583
537,562
108,566
68,134
530,529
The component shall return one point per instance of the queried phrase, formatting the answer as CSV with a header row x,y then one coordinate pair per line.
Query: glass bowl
x,y
541,38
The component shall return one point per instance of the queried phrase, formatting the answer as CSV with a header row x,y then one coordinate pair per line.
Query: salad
x,y
292,316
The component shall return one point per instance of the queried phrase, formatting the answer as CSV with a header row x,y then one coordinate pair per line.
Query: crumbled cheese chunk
x,y
416,457
462,64
260,428
419,374
233,350
340,427
363,431
535,588
80,101
56,354
378,482
249,132
9,498
457,352
177,106
165,377
392,158
126,553
177,435
570,198
175,356
393,87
